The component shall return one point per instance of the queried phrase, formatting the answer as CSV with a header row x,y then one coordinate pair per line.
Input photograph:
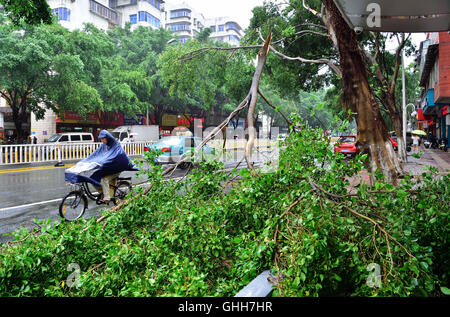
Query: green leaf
x,y
445,290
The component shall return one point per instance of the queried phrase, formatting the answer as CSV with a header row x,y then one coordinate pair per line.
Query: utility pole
x,y
404,102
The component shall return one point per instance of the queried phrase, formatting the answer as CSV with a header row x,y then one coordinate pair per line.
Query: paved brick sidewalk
x,y
435,158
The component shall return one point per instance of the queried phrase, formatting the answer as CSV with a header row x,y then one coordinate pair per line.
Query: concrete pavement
x,y
415,166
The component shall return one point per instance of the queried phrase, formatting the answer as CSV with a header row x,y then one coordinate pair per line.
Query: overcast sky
x,y
240,10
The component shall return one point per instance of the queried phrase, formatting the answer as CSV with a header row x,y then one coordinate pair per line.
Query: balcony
x,y
105,12
427,63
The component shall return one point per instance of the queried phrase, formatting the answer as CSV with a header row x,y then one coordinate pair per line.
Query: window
x,y
183,39
147,17
87,137
155,3
62,13
180,13
233,38
346,139
75,138
221,27
64,138
133,18
234,26
213,28
180,27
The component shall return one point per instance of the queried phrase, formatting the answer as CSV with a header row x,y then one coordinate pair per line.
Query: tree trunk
x,y
262,57
372,136
19,116
157,113
396,118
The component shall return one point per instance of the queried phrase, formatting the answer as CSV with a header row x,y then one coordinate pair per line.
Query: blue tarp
x,y
108,159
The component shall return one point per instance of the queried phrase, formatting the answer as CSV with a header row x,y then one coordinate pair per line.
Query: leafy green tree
x,y
39,74
141,49
203,36
312,47
123,86
28,11
209,81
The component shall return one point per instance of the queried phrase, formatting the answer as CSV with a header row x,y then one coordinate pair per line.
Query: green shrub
x,y
192,238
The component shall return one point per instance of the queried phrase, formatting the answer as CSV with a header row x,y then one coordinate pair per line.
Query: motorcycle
x,y
443,144
434,144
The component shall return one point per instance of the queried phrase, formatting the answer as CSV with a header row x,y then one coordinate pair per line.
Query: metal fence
x,y
36,153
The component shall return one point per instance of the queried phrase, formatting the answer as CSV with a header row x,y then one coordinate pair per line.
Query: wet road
x,y
36,192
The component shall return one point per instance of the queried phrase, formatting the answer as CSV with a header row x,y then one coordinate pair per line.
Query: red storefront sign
x,y
111,118
73,117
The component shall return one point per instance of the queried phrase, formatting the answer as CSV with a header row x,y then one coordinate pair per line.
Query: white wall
x,y
46,125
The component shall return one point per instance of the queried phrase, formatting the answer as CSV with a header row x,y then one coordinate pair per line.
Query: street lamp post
x,y
405,106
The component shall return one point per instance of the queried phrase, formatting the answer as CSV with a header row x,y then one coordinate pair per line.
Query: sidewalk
x,y
435,158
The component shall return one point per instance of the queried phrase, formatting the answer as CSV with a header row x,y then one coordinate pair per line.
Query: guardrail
x,y
37,153
261,286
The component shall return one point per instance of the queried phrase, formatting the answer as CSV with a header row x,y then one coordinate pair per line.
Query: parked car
x,y
71,137
67,139
409,140
346,145
394,143
173,147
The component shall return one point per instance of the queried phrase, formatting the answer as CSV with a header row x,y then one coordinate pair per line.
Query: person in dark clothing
x,y
108,161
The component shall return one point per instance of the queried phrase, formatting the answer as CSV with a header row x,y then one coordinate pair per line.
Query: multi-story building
x,y
140,12
72,14
225,29
434,74
106,14
186,23
179,17
183,20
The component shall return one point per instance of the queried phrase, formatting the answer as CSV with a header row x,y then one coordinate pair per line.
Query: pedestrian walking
x,y
415,138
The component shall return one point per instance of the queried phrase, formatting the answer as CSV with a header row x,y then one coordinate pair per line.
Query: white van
x,y
71,137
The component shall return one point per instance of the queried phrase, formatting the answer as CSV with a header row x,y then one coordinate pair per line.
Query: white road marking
x,y
59,199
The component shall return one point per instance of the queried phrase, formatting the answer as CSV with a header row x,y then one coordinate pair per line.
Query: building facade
x,y
72,14
179,17
434,73
183,20
105,14
225,29
140,12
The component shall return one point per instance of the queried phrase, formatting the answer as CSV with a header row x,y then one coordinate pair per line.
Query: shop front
x,y
176,123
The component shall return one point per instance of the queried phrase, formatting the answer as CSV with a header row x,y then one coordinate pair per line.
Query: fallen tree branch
x,y
200,51
289,122
262,57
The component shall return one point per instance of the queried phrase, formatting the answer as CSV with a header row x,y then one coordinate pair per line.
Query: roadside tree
x,y
39,74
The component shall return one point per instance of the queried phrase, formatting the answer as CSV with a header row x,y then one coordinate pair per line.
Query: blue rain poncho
x,y
108,159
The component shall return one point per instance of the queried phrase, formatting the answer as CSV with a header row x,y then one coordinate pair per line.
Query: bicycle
x,y
75,203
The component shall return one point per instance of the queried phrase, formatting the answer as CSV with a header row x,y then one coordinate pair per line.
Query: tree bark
x,y
388,95
396,117
372,136
262,57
